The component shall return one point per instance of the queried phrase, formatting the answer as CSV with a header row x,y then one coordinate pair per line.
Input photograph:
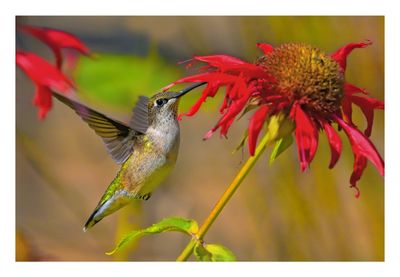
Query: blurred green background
x,y
278,213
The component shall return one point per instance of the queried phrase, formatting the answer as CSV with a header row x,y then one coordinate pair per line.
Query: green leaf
x,y
280,146
220,253
201,253
279,126
178,224
214,253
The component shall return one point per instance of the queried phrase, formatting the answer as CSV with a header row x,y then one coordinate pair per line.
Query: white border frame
x,y
10,9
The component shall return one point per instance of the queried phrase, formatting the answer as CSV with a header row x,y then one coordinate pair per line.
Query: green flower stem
x,y
224,199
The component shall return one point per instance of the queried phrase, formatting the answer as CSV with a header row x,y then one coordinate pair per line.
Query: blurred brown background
x,y
278,213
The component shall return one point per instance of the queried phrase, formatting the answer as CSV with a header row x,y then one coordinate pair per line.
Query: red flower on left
x,y
46,76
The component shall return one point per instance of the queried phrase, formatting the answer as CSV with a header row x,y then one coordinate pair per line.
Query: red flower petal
x,y
367,105
208,134
350,89
232,65
306,136
225,125
214,79
335,143
57,40
42,100
360,162
220,61
209,91
266,48
226,101
43,73
363,149
234,109
341,54
347,110
255,125
46,78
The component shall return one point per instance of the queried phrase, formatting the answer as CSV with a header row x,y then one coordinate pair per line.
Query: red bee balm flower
x,y
305,85
56,40
46,77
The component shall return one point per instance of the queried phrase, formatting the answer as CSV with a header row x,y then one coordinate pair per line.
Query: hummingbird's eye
x,y
160,102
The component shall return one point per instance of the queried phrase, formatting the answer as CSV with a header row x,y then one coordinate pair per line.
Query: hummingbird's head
x,y
163,106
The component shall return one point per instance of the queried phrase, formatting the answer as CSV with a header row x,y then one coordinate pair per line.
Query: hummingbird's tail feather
x,y
107,207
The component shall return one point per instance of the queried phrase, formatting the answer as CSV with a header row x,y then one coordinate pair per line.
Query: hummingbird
x,y
146,148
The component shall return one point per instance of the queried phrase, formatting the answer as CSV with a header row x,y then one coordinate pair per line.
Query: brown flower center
x,y
307,75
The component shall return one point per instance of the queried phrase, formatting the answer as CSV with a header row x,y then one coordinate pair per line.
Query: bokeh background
x,y
278,213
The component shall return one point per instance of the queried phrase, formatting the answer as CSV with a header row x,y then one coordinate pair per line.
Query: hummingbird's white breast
x,y
153,161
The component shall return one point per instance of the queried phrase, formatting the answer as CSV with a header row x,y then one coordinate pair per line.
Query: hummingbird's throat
x,y
174,107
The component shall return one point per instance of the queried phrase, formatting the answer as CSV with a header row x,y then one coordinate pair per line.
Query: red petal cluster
x,y
56,40
334,142
363,148
341,54
47,77
245,82
234,74
306,135
255,125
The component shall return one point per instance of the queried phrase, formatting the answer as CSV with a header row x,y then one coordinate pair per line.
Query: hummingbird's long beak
x,y
186,90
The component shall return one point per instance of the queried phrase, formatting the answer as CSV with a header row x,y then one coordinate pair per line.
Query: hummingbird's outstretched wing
x,y
140,117
118,138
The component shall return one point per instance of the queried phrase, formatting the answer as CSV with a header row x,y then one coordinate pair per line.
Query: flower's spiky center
x,y
305,74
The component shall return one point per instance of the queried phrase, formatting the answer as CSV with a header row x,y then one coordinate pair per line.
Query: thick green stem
x,y
224,199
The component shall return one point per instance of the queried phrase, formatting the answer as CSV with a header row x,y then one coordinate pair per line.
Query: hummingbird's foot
x,y
144,197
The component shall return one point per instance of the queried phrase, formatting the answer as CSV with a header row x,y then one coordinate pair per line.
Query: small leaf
x,y
131,236
184,225
201,253
279,126
178,224
220,253
280,146
214,253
